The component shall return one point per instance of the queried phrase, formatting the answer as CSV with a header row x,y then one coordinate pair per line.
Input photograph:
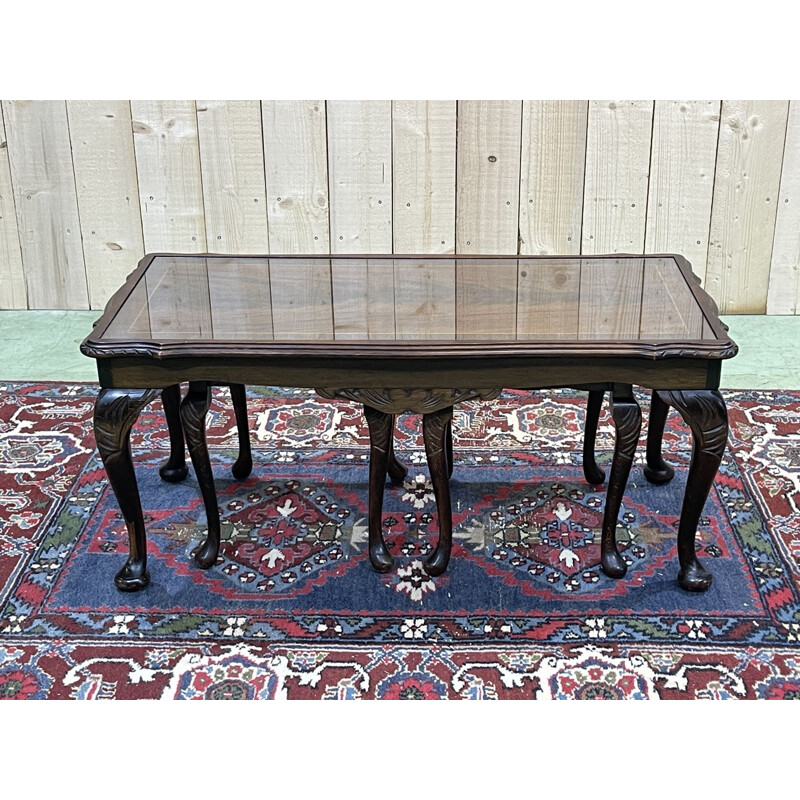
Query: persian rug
x,y
293,609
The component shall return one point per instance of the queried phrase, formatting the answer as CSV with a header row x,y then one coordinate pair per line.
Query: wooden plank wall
x,y
87,187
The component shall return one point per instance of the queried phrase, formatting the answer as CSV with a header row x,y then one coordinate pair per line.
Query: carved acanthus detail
x,y
628,423
706,414
434,429
114,414
419,401
381,429
194,408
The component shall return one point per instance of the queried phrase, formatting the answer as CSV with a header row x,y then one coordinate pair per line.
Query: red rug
x,y
293,609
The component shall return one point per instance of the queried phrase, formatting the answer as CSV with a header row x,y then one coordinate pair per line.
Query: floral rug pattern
x,y
292,608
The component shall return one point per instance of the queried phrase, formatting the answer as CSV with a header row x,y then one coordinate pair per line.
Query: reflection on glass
x,y
380,298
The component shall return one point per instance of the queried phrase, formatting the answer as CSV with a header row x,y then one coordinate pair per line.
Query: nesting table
x,y
415,334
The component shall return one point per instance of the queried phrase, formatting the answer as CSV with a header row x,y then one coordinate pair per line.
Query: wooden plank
x,y
682,179
425,299
486,299
610,299
363,298
551,181
547,297
617,168
46,203
746,191
296,161
302,303
13,292
424,173
177,299
108,194
784,277
232,164
170,184
239,294
360,177
669,310
488,168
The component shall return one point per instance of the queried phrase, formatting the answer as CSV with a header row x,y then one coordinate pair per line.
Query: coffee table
x,y
418,334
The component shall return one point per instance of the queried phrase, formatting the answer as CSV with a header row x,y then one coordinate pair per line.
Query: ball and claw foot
x,y
613,564
436,563
380,557
132,577
695,577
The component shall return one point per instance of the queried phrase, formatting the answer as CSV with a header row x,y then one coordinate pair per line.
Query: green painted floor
x,y
43,346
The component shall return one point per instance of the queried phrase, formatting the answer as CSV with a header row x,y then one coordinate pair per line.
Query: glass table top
x,y
306,299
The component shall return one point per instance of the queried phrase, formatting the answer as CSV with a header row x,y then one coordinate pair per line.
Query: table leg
x,y
435,429
115,412
193,416
381,426
448,447
174,470
396,469
705,413
628,424
244,463
657,470
591,471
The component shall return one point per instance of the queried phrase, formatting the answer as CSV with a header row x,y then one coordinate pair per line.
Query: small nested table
x,y
418,334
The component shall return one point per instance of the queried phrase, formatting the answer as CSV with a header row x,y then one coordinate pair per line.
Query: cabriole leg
x,y
657,470
381,426
628,423
397,470
448,447
705,413
115,412
435,429
174,470
591,471
244,463
193,416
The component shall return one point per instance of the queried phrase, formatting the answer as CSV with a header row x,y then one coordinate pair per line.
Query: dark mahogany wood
x,y
193,416
591,470
115,412
656,470
722,346
435,433
448,447
397,470
174,470
401,375
380,444
193,411
244,463
628,424
707,417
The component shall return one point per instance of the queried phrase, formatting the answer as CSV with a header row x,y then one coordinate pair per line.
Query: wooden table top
x,y
411,307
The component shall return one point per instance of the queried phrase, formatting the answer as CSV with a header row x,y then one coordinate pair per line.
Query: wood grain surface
x,y
86,187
